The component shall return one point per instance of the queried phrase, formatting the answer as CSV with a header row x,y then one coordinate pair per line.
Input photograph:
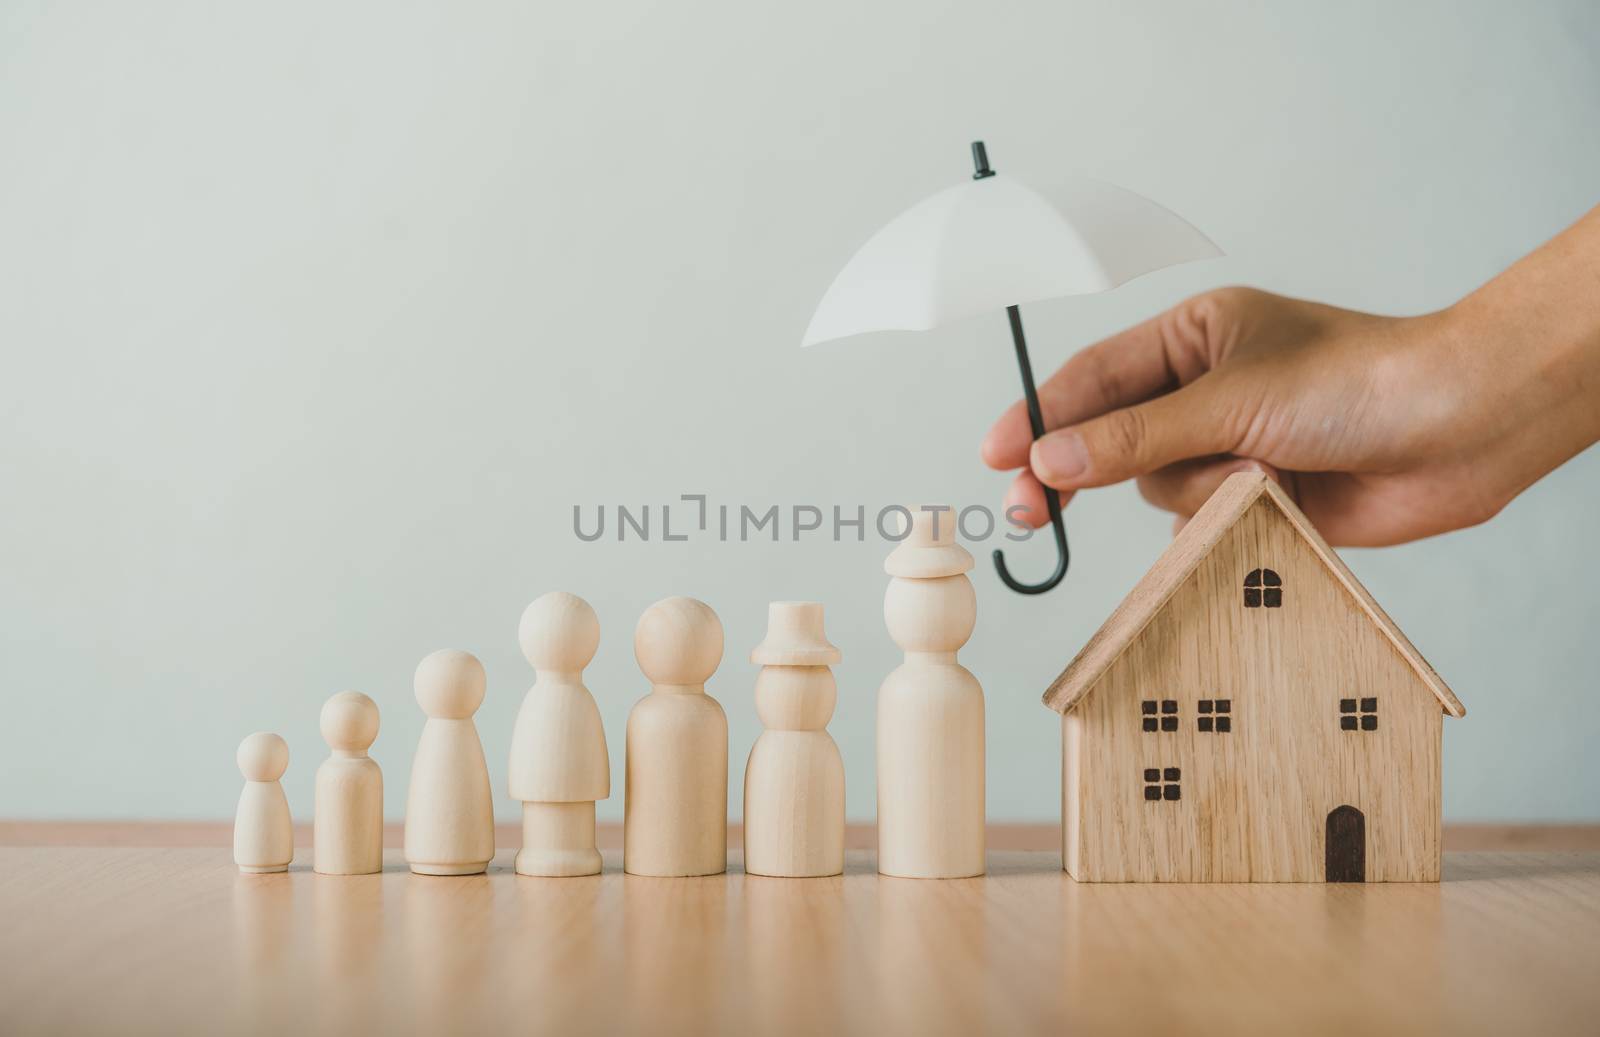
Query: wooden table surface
x,y
174,940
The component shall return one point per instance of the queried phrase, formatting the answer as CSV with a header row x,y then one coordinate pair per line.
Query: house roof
x,y
1237,493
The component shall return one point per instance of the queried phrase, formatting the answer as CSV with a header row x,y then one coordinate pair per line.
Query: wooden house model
x,y
1249,714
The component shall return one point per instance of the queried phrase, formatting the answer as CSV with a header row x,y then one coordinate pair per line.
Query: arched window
x,y
1263,588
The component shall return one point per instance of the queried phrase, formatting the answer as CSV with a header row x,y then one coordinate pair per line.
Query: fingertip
x,y
1027,496
1006,445
1270,471
991,451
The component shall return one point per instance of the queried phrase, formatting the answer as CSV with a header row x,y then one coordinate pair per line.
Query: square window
x,y
1169,723
1149,723
1364,719
1205,705
1272,598
1224,705
1169,705
1205,723
1224,724
1252,597
1149,706
1160,784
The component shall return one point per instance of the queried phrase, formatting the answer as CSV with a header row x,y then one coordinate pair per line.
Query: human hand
x,y
1384,429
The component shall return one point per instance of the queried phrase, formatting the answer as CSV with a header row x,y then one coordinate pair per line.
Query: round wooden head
x,y
930,615
678,641
559,632
263,756
449,684
349,722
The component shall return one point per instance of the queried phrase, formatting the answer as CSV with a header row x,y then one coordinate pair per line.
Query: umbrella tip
x,y
980,161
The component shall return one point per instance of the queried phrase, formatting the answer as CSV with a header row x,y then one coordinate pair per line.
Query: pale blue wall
x,y
318,319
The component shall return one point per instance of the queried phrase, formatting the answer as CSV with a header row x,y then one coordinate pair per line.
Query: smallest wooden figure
x,y
263,834
347,833
794,782
559,765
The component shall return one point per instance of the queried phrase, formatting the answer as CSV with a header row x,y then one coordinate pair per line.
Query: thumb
x,y
1122,444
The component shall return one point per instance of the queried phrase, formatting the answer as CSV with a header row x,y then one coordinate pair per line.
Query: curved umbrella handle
x,y
1052,499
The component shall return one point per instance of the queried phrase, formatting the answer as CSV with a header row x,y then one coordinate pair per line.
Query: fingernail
x,y
1259,468
1061,458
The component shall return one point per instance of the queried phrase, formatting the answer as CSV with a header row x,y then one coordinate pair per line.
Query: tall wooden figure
x,y
794,782
449,808
263,834
930,711
559,765
347,833
676,807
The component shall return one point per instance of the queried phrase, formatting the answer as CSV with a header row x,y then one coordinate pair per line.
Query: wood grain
x,y
675,778
858,835
559,764
1255,801
348,805
930,731
449,804
174,941
794,778
1238,494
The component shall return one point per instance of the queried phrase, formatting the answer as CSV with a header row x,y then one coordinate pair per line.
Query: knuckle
x,y
1200,326
1219,302
1094,368
1124,437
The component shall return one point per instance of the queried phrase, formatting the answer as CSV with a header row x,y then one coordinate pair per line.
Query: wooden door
x,y
1345,857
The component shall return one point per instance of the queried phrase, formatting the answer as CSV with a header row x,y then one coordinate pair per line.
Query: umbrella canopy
x,y
995,242
992,244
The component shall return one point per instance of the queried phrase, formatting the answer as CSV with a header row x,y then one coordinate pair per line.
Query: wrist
x,y
1534,368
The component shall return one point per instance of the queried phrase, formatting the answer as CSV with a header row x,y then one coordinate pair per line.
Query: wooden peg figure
x,y
263,833
675,812
559,765
930,711
794,781
347,832
449,807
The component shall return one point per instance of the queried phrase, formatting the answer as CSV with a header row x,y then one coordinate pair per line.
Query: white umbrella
x,y
996,243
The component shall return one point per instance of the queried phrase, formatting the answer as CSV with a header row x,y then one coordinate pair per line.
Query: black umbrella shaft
x,y
1052,500
1035,414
